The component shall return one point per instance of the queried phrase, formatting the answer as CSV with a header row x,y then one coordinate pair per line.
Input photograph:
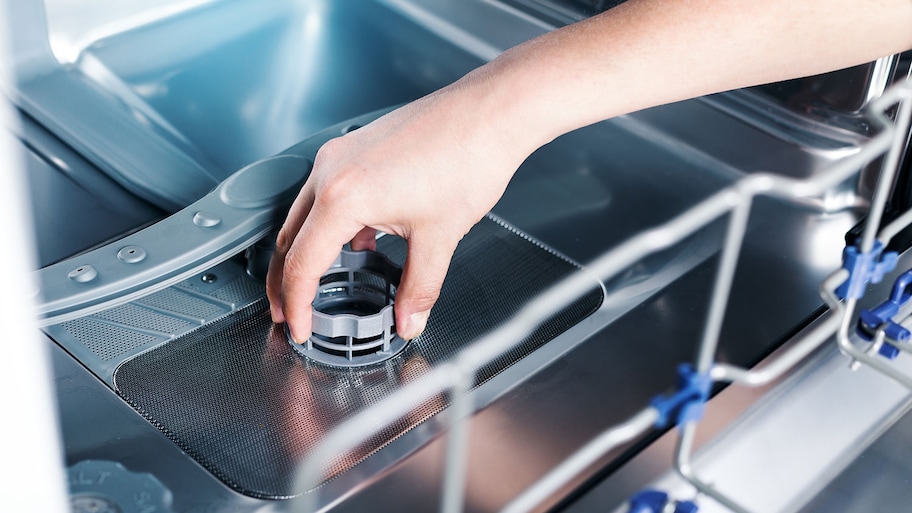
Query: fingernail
x,y
297,340
276,314
415,325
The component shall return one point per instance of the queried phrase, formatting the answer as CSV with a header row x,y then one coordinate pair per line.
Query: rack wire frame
x,y
456,376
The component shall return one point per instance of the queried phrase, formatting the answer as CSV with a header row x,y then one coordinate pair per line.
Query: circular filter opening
x,y
353,321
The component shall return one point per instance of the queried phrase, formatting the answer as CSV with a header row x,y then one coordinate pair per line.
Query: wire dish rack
x,y
883,337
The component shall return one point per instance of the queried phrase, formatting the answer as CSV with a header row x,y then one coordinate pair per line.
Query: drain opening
x,y
353,320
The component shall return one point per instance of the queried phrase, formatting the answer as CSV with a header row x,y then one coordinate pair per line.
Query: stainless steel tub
x,y
169,102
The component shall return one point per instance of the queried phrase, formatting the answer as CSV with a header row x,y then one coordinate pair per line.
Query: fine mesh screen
x,y
133,315
236,397
173,301
235,291
106,341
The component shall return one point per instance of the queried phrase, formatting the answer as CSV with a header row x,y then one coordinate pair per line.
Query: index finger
x,y
296,216
315,248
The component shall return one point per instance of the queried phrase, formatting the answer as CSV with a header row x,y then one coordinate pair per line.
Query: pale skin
x,y
430,170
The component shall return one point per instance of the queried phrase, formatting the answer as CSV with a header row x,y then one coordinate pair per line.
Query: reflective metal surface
x,y
572,399
97,425
211,89
780,447
237,397
876,480
80,207
167,108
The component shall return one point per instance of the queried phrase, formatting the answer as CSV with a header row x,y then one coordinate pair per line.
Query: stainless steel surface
x,y
577,463
791,443
105,339
774,448
250,407
876,480
96,424
735,203
277,81
80,206
170,108
198,93
737,450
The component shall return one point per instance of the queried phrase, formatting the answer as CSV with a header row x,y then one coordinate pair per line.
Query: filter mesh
x,y
133,315
232,291
172,300
236,397
105,340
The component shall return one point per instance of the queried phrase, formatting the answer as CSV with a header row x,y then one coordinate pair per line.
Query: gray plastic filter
x,y
353,319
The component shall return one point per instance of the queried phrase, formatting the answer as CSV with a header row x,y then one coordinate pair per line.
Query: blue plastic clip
x,y
654,501
688,402
864,268
869,321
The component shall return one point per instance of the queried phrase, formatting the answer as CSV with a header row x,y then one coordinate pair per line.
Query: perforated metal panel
x,y
177,302
235,291
236,397
134,315
105,339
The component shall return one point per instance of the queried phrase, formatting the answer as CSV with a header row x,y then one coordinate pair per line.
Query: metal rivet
x,y
131,254
209,278
206,219
83,273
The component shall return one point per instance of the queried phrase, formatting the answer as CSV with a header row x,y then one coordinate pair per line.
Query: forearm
x,y
650,52
440,163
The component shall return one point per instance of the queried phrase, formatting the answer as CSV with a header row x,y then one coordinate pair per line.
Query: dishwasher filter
x,y
353,320
237,397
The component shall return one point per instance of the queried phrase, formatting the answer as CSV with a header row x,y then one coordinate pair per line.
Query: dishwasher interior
x,y
164,142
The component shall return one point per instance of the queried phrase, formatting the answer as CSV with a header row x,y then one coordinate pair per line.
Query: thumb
x,y
425,268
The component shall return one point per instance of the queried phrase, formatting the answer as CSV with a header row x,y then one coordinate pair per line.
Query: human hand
x,y
430,170
426,172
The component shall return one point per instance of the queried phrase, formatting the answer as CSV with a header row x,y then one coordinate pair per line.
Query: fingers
x,y
425,269
305,250
307,244
312,252
274,276
274,286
